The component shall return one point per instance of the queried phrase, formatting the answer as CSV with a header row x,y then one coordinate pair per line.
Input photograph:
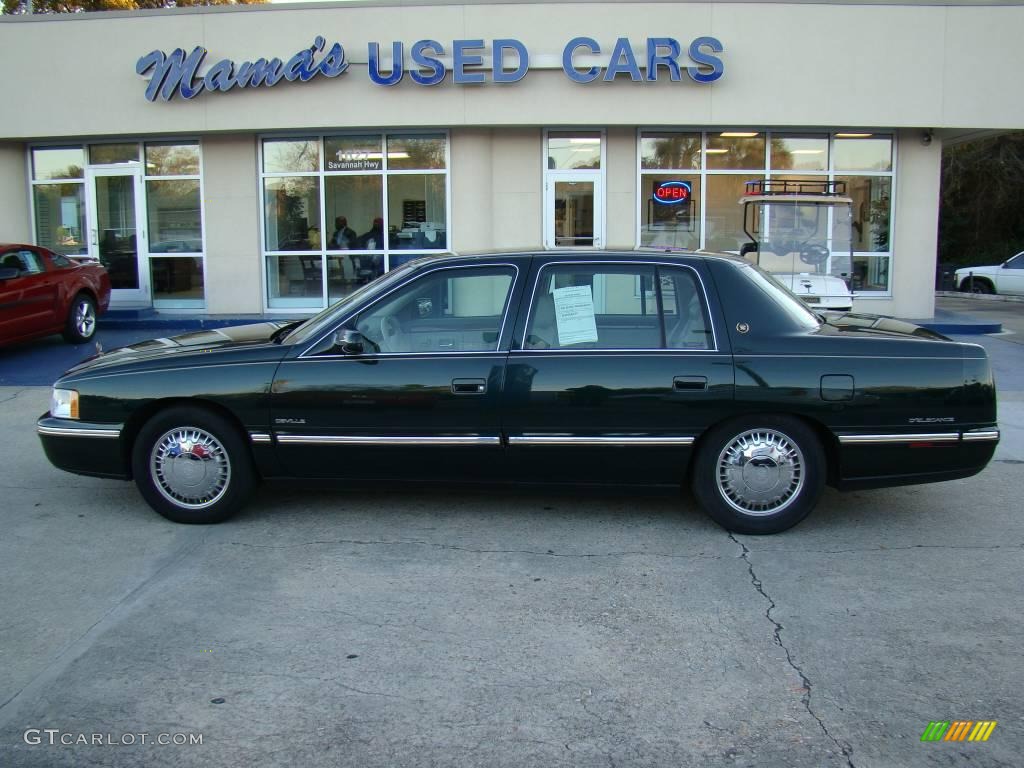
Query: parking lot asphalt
x,y
467,628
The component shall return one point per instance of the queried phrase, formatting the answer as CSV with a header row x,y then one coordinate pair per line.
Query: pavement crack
x,y
475,550
13,397
844,748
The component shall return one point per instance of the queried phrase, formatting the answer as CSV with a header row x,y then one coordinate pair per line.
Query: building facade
x,y
274,158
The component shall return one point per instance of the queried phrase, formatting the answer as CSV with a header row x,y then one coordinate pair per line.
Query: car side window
x,y
687,322
26,262
611,306
60,261
447,310
1017,262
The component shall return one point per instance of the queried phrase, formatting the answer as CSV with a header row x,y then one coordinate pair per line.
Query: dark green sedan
x,y
563,367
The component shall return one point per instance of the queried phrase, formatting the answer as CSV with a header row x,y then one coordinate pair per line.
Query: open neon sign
x,y
672,192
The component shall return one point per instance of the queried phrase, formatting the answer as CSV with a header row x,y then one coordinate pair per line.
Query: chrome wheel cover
x,y
190,467
85,319
760,472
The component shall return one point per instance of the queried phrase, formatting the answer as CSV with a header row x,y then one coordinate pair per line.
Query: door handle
x,y
690,383
469,386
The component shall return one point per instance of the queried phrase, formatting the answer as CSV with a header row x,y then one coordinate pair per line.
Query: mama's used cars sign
x,y
180,73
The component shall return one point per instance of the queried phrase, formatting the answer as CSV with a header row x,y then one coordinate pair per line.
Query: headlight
x,y
64,404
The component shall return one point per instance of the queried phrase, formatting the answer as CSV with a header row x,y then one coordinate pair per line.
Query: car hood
x,y
876,325
990,270
252,336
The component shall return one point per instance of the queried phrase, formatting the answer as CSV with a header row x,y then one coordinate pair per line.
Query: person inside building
x,y
374,238
344,236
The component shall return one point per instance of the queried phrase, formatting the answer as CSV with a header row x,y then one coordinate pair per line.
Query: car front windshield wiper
x,y
279,335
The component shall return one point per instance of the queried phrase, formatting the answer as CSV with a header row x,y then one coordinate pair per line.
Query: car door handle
x,y
469,386
690,383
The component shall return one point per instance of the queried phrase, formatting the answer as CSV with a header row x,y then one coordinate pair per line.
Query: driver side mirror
x,y
351,341
9,273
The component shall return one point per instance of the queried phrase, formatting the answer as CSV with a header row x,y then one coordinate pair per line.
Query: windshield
x,y
322,320
781,296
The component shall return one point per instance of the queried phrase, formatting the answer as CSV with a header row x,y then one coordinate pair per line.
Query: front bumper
x,y
84,448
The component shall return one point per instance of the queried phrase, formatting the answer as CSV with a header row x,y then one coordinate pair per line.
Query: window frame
x,y
321,174
767,172
664,349
197,305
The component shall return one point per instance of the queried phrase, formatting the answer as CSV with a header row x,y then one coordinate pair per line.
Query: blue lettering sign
x,y
623,60
699,58
176,74
435,69
501,75
373,64
655,59
587,75
461,59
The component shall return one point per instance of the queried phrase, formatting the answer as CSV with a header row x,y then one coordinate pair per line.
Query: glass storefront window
x,y
417,153
291,155
867,153
872,199
172,159
177,278
295,281
670,150
175,218
352,153
799,153
348,272
724,214
110,154
574,151
60,217
735,150
58,163
292,213
870,272
353,204
384,200
675,224
417,212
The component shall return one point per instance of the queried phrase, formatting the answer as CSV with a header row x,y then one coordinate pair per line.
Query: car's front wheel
x,y
759,475
192,466
81,323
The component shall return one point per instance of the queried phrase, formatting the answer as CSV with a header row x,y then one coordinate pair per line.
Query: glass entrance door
x,y
116,235
574,211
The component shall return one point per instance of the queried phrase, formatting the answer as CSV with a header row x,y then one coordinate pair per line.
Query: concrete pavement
x,y
409,628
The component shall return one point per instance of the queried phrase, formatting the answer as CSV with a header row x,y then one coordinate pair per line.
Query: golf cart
x,y
800,232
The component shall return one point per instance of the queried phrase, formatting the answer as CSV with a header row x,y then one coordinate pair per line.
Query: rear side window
x,y
26,262
617,306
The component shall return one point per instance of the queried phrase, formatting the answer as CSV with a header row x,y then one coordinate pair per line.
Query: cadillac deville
x,y
572,367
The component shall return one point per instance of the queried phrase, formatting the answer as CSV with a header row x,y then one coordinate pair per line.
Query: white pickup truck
x,y
1007,277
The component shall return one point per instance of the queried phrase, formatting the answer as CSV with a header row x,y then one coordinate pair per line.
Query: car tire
x,y
192,466
759,475
80,325
980,286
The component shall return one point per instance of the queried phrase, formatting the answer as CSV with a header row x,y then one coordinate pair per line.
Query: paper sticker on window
x,y
574,315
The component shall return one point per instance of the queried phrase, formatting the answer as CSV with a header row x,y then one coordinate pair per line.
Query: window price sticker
x,y
574,315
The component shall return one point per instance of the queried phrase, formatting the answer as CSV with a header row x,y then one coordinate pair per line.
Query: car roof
x,y
639,254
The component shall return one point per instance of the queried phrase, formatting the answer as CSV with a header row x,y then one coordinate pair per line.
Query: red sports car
x,y
42,292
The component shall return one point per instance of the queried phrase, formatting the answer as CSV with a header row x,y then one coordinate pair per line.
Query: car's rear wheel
x,y
80,326
759,475
192,466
